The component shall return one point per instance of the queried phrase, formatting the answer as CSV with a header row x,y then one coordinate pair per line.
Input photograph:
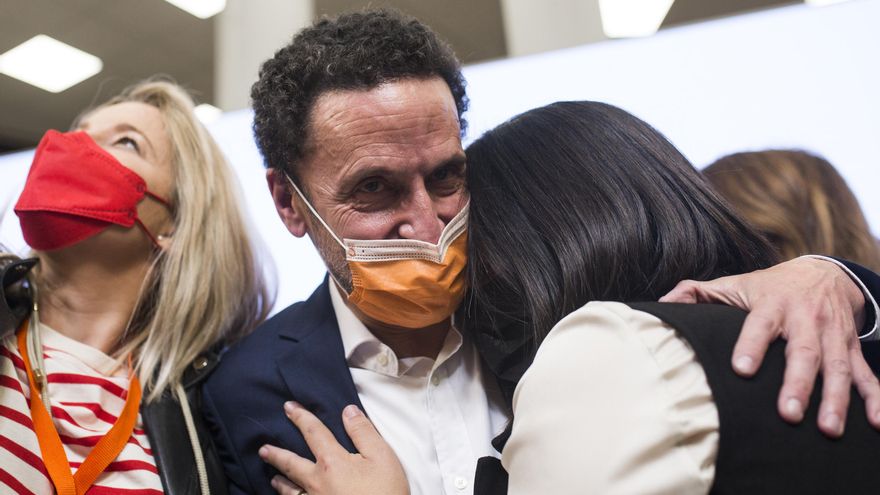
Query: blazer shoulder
x,y
243,361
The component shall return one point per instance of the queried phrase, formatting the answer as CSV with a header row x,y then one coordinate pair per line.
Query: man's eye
x,y
372,186
128,143
441,174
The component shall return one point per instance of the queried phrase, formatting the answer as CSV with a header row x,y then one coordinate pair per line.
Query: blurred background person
x,y
798,201
145,269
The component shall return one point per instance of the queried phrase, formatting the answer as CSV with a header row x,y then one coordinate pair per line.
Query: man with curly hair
x,y
363,113
360,120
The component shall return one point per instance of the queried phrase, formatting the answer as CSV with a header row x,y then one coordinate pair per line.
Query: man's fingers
x,y
684,292
867,384
284,486
287,463
724,290
366,439
320,439
837,375
759,330
803,357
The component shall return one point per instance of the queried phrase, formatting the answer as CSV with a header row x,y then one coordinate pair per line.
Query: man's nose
x,y
421,220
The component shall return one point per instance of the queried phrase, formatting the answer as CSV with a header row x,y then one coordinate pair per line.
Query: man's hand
x,y
375,470
815,306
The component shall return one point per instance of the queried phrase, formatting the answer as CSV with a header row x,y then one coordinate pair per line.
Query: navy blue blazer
x,y
295,355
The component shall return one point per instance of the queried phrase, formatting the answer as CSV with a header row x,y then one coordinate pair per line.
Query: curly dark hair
x,y
358,50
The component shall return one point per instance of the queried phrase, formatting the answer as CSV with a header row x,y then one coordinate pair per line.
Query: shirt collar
x,y
88,355
363,350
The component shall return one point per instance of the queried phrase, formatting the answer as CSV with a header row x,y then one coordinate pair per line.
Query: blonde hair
x,y
208,287
799,201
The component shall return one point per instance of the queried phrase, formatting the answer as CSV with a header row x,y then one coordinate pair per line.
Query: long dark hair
x,y
582,201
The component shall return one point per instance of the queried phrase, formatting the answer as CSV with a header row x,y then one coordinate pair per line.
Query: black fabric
x,y
872,283
491,478
759,453
169,439
507,351
16,298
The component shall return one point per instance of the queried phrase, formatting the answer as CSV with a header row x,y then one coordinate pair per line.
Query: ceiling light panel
x,y
202,9
632,18
49,64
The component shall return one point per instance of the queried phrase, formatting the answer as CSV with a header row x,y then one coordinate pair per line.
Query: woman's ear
x,y
288,208
164,240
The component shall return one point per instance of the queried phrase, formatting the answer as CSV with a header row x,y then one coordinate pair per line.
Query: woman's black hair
x,y
581,201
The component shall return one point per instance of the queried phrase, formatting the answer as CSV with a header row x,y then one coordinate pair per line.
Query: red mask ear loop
x,y
158,198
144,227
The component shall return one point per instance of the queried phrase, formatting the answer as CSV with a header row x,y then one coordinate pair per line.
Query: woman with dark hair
x,y
578,202
578,211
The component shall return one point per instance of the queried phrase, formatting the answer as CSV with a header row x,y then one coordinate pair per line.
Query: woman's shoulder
x,y
609,374
614,326
613,338
659,327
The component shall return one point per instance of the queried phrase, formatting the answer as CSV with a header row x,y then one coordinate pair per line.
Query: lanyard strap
x,y
102,454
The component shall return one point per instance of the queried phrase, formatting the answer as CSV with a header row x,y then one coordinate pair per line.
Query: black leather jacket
x,y
169,439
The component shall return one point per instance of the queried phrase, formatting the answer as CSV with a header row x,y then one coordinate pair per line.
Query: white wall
x,y
792,77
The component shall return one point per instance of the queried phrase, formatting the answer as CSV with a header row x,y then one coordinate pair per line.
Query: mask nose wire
x,y
312,209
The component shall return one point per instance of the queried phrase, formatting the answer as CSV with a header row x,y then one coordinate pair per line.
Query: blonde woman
x,y
798,201
145,269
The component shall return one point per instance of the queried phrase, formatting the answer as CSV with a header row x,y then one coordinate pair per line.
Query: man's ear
x,y
290,208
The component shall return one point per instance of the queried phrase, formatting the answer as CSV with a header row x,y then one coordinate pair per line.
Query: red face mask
x,y
74,190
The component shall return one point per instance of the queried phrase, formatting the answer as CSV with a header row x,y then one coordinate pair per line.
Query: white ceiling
x,y
140,38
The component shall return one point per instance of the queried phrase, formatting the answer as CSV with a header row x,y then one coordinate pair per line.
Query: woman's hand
x,y
374,470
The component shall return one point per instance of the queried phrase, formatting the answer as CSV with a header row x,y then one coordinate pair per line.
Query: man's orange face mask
x,y
404,282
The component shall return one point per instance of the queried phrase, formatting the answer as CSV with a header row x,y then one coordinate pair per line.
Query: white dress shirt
x,y
615,403
439,416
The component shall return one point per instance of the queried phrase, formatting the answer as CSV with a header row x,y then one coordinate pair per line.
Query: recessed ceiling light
x,y
632,18
49,64
207,113
200,8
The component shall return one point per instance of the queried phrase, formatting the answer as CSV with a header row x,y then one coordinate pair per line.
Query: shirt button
x,y
460,483
435,380
383,359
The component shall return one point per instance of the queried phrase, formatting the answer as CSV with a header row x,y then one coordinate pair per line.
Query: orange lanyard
x,y
102,454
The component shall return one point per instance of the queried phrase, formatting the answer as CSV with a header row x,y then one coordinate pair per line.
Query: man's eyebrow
x,y
456,160
366,172
459,158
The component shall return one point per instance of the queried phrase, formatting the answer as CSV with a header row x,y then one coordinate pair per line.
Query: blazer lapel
x,y
311,360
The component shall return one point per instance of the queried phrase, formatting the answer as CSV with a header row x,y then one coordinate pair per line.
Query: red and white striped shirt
x,y
87,391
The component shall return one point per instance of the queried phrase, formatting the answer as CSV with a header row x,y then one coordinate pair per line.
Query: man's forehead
x,y
417,97
397,115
